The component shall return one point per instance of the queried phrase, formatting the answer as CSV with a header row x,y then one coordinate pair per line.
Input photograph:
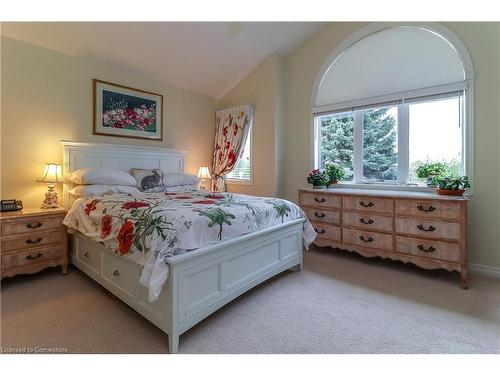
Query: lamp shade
x,y
52,174
203,172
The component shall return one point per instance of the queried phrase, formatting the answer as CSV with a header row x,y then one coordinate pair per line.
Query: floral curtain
x,y
231,131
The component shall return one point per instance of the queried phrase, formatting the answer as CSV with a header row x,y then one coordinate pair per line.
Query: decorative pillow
x,y
147,179
101,176
176,179
91,190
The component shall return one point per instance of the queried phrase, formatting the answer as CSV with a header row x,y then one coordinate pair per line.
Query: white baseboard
x,y
484,270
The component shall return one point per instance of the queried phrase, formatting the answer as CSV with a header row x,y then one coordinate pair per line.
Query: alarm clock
x,y
10,205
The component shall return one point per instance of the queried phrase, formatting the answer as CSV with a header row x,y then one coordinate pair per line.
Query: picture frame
x,y
123,111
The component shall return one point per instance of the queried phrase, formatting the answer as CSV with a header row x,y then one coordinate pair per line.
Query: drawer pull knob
x,y
363,204
430,229
320,231
322,200
32,226
30,257
363,221
319,215
30,241
430,249
116,273
430,209
369,239
86,255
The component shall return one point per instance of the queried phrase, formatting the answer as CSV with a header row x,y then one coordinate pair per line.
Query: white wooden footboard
x,y
200,281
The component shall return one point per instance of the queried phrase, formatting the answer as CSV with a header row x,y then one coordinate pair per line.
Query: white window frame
x,y
239,181
467,112
403,130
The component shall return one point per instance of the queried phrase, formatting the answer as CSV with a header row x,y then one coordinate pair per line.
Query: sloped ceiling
x,y
204,57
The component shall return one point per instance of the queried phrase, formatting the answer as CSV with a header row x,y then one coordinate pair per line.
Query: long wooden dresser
x,y
425,229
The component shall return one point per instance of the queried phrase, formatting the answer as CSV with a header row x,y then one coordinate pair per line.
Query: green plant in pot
x,y
452,185
318,179
334,172
431,171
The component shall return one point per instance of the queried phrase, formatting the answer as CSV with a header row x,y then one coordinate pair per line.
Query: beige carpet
x,y
340,303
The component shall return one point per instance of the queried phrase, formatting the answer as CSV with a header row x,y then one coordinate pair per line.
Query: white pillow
x,y
101,176
176,179
91,190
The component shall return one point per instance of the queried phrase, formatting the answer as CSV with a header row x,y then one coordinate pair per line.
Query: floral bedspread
x,y
151,227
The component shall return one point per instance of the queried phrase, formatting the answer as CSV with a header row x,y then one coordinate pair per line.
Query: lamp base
x,y
51,200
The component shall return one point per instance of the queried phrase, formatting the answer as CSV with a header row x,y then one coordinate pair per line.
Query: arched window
x,y
392,98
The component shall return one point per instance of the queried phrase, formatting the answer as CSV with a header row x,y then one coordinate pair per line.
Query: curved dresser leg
x,y
173,343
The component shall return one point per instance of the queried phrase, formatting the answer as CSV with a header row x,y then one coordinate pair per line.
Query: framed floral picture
x,y
127,112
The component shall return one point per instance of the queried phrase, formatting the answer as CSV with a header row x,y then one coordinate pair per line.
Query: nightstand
x,y
31,240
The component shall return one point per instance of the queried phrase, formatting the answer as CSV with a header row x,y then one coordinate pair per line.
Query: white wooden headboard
x,y
101,155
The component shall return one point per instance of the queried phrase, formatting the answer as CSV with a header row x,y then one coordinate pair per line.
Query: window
x,y
386,143
242,172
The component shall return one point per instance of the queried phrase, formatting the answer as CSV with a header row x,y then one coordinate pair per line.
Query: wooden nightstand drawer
x,y
321,200
429,249
325,216
28,242
39,255
32,225
429,209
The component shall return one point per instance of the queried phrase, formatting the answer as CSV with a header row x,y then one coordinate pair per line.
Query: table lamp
x,y
51,175
204,174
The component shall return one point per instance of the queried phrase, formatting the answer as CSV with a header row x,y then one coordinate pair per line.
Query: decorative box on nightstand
x,y
31,240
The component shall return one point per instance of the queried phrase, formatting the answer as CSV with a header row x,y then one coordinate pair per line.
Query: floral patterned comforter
x,y
151,227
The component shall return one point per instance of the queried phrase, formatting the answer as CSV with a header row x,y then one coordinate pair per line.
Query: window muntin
x,y
243,169
389,141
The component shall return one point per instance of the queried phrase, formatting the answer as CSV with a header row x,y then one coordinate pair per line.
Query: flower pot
x,y
333,182
450,192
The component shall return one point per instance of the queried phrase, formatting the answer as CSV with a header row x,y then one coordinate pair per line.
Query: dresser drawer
x,y
326,232
89,255
429,249
367,221
324,200
429,209
374,240
325,216
427,228
33,225
121,274
35,256
27,242
368,204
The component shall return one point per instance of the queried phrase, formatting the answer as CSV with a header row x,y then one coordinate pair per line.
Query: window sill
x,y
239,182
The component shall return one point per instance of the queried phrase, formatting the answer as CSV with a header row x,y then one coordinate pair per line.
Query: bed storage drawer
x,y
89,255
429,249
368,204
321,200
427,228
428,209
325,216
367,221
374,240
123,275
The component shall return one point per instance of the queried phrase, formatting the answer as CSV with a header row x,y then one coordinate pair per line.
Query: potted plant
x,y
334,172
431,171
318,179
452,185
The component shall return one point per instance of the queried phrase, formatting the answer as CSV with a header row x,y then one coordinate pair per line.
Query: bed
x,y
199,281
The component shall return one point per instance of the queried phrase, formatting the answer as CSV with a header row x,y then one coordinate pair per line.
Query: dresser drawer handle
x,y
322,200
430,249
30,257
116,273
319,215
31,242
430,229
363,204
31,226
86,254
320,231
430,209
369,239
363,221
